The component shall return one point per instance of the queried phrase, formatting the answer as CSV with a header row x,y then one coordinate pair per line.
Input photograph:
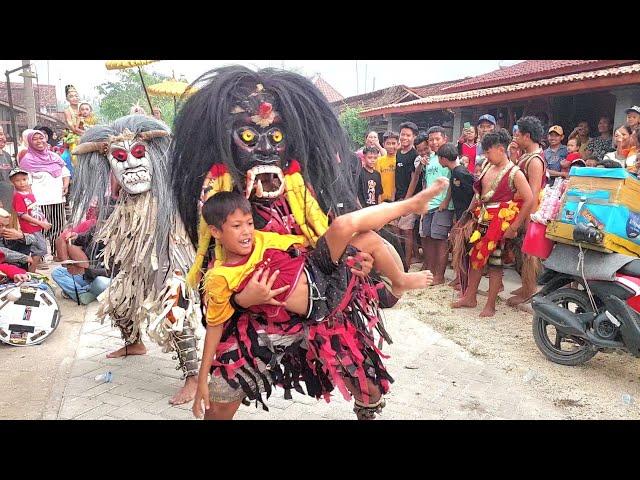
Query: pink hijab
x,y
41,160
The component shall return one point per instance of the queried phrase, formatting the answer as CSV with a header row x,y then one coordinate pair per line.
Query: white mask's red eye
x,y
138,151
119,154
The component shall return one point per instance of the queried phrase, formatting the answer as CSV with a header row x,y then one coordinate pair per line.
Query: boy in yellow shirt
x,y
386,166
314,286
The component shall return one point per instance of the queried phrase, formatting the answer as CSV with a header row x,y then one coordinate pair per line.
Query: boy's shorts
x,y
437,224
39,245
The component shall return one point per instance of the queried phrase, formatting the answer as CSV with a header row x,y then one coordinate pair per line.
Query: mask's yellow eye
x,y
247,136
277,136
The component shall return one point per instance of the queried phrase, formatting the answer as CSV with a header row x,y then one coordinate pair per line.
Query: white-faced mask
x,y
130,165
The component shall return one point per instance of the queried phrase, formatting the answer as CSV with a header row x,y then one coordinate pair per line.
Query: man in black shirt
x,y
405,166
370,182
461,179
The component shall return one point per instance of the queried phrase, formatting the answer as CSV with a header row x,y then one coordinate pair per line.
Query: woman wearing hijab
x,y
49,181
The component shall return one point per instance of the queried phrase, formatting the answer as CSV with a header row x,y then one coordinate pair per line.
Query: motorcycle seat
x,y
632,269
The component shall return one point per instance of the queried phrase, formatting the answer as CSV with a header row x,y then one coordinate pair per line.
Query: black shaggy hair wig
x,y
203,137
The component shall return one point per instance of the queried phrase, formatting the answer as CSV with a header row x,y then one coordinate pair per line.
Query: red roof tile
x,y
330,93
434,88
469,95
531,70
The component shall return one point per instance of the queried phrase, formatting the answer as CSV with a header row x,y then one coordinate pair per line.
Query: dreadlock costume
x,y
145,242
272,136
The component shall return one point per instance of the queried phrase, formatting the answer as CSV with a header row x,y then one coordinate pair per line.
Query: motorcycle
x,y
590,302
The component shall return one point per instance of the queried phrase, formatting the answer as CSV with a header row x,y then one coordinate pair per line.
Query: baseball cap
x,y
16,171
557,129
488,118
635,108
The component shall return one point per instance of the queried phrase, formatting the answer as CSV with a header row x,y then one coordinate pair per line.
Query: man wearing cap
x,y
633,117
486,124
6,188
556,152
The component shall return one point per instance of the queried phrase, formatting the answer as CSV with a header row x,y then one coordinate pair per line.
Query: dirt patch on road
x,y
606,387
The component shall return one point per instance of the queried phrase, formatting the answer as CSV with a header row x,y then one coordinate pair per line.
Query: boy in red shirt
x,y
30,216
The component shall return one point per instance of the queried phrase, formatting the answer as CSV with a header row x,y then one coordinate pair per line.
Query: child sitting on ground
x,y
297,281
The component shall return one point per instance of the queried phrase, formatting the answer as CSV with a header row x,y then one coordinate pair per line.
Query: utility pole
x,y
373,88
365,77
29,98
357,80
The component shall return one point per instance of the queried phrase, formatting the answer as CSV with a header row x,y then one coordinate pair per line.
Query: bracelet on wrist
x,y
234,304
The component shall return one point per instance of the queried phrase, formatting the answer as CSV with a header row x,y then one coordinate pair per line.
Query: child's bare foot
x,y
465,303
487,311
412,281
517,291
437,281
421,199
133,349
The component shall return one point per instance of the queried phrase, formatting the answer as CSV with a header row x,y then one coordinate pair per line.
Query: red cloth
x,y
290,271
27,204
470,153
503,192
8,269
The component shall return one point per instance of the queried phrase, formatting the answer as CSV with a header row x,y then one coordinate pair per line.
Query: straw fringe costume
x,y
290,157
146,244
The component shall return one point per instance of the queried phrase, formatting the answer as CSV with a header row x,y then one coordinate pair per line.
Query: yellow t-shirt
x,y
386,166
222,280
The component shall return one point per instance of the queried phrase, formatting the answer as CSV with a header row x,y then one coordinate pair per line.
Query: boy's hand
x,y
258,290
202,397
362,264
21,277
45,226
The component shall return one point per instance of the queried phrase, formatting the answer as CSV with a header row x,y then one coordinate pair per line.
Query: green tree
x,y
355,126
118,97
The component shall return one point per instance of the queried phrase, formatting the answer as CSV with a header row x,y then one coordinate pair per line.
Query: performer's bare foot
x,y
465,303
437,281
421,199
133,349
515,300
412,281
187,392
517,291
487,311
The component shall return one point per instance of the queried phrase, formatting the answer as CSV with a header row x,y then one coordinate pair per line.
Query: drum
x,y
28,313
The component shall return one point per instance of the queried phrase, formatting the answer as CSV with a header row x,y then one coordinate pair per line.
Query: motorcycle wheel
x,y
549,340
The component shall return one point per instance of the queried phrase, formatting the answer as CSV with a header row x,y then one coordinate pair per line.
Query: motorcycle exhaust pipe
x,y
565,321
569,323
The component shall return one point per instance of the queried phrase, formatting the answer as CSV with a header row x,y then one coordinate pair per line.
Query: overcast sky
x,y
341,74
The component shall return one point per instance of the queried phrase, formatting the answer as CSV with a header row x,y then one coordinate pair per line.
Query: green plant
x,y
355,126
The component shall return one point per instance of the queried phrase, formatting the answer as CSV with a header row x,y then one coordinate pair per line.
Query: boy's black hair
x,y
390,134
436,129
422,137
366,150
217,209
498,137
531,125
592,156
410,125
448,151
610,164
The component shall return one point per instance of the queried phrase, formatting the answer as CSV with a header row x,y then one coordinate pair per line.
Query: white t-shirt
x,y
47,188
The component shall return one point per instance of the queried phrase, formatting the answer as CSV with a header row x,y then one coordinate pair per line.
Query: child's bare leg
x,y
383,261
61,249
495,282
343,228
75,253
426,258
469,300
440,259
222,411
36,259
